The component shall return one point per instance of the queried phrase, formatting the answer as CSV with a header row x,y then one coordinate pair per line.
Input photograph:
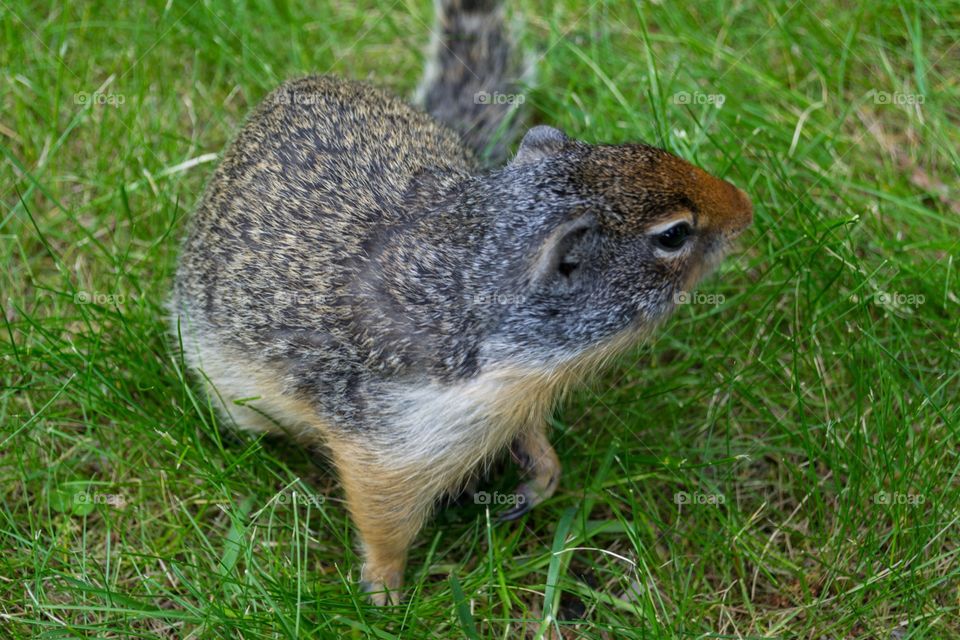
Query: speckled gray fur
x,y
353,265
349,238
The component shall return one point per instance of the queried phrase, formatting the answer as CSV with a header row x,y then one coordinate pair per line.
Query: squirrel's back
x,y
321,163
327,164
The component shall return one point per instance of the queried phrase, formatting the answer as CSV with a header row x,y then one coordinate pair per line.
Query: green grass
x,y
814,385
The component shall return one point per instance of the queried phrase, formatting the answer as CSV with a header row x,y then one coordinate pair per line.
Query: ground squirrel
x,y
354,276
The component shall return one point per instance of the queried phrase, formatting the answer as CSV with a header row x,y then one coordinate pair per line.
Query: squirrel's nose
x,y
734,211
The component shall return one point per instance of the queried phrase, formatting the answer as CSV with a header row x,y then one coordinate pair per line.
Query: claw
x,y
512,513
525,499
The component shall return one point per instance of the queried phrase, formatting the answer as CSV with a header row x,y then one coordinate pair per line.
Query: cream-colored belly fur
x,y
444,430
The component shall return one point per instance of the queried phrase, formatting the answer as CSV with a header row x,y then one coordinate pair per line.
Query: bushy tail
x,y
472,80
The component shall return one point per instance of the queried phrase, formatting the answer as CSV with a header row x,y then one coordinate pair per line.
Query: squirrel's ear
x,y
563,254
538,143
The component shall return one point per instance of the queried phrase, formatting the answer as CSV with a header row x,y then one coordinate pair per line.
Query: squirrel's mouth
x,y
710,258
716,250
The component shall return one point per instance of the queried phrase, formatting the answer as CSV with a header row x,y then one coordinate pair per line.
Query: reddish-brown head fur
x,y
648,186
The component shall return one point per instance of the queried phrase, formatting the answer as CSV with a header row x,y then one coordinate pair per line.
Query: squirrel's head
x,y
619,234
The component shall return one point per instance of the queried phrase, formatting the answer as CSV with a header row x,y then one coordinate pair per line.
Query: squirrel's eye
x,y
673,238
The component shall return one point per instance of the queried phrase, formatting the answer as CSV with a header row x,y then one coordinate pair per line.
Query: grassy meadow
x,y
781,461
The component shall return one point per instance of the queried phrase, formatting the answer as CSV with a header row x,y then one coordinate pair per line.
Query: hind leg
x,y
389,505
